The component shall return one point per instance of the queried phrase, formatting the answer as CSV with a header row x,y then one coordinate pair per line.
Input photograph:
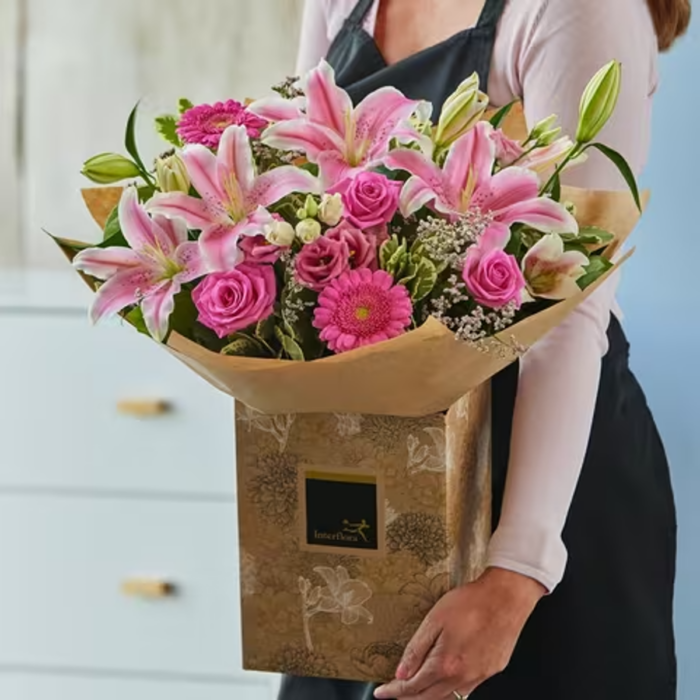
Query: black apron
x,y
606,632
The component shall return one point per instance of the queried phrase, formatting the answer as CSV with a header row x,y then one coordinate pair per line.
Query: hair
x,y
671,19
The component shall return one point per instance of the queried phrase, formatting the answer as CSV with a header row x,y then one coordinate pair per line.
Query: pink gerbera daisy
x,y
205,124
362,307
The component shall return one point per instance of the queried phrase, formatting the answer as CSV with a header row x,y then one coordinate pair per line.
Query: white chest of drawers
x,y
118,538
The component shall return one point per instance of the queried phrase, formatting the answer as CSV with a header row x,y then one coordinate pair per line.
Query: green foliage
x,y
166,126
597,267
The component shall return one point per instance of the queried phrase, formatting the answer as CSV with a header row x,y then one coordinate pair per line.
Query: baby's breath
x,y
446,242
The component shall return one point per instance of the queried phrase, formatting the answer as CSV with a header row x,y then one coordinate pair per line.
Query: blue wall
x,y
661,300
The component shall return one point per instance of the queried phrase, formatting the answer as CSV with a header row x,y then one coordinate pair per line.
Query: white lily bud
x,y
280,233
308,230
462,110
171,174
599,101
332,209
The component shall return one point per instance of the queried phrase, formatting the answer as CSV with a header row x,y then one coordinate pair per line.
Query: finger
x,y
418,649
443,690
428,675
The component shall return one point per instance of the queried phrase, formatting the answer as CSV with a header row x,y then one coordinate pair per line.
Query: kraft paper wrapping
x,y
364,479
351,528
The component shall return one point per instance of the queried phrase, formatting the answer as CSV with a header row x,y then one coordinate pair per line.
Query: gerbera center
x,y
362,313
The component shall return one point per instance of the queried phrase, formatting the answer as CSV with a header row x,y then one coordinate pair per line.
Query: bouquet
x,y
349,273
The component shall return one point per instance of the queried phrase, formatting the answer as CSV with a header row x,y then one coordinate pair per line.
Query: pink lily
x,y
234,198
331,132
150,273
466,183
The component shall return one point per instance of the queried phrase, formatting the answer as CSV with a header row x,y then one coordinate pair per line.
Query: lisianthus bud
x,y
308,230
107,168
279,233
331,209
599,101
462,110
309,210
171,174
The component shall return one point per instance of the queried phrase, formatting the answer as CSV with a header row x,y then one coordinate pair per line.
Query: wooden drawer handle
x,y
144,408
148,588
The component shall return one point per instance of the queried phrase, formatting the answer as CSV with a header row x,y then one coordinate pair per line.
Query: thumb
x,y
418,649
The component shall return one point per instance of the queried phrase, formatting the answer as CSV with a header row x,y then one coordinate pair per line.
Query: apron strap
x,y
357,16
491,14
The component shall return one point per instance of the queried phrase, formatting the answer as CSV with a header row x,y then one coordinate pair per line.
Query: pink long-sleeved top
x,y
545,53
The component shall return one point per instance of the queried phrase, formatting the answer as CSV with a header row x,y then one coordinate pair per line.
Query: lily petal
x,y
277,109
495,237
376,118
173,230
236,159
277,183
301,135
416,164
201,166
326,103
189,257
134,222
123,289
195,212
103,263
219,247
414,196
506,188
542,213
333,168
157,308
470,159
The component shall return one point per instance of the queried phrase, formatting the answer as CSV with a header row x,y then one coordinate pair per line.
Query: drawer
x,y
47,687
64,561
70,401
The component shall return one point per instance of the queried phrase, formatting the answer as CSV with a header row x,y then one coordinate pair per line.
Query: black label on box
x,y
341,510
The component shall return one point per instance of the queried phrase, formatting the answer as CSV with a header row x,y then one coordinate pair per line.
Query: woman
x,y
579,469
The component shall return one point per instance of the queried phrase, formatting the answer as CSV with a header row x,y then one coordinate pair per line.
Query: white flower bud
x,y
332,209
308,230
280,233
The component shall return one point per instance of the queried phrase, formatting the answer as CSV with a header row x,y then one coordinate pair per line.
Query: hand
x,y
467,637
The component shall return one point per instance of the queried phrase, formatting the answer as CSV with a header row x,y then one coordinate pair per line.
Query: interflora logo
x,y
351,532
341,510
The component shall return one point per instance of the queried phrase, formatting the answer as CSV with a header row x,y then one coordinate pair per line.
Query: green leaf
x,y
424,280
183,105
498,118
135,319
184,316
112,227
265,329
290,346
146,192
595,269
387,250
166,126
591,237
130,142
243,346
623,166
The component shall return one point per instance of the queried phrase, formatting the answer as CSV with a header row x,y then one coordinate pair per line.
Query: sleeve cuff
x,y
536,553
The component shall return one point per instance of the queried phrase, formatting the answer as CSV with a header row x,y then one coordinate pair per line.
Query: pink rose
x,y
492,276
507,150
320,262
370,199
231,301
257,250
362,246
